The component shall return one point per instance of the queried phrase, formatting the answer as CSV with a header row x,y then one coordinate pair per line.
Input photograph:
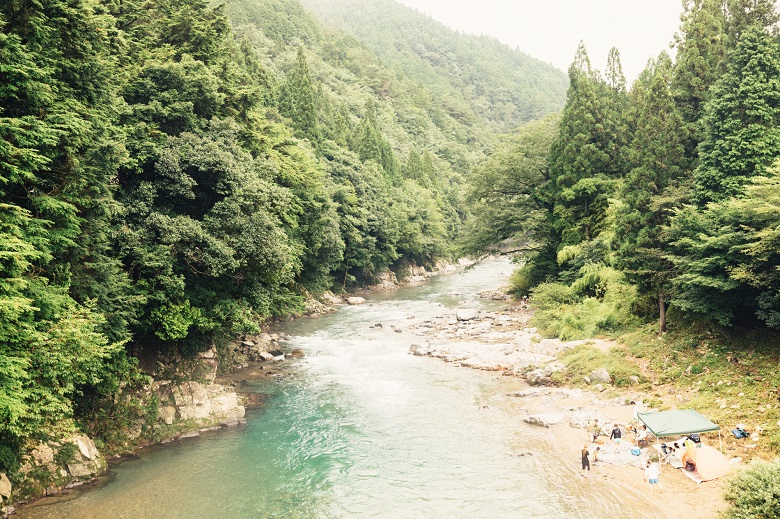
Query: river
x,y
360,428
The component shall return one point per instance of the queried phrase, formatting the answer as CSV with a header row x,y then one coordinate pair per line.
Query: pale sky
x,y
551,29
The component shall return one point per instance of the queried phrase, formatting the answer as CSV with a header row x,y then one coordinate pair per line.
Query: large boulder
x,y
600,376
466,314
167,414
205,404
419,350
356,300
5,487
87,462
225,406
554,367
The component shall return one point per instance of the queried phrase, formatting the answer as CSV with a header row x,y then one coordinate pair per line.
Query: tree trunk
x,y
662,313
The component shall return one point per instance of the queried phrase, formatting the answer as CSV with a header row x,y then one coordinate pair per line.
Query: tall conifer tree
x,y
701,53
742,120
653,185
584,157
297,100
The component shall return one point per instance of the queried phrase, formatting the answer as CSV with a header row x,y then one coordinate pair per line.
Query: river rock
x,y
356,300
534,391
211,353
418,350
331,299
543,420
601,376
466,314
554,367
42,457
537,377
387,281
225,406
86,446
192,400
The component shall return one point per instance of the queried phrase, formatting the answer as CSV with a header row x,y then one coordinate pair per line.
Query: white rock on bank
x,y
466,314
5,487
601,375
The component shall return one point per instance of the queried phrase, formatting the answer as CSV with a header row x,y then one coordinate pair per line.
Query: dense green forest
x,y
662,197
476,77
175,172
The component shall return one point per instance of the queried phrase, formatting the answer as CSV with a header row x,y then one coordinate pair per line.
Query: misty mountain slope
x,y
505,87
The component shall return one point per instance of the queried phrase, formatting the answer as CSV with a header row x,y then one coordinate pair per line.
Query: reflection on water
x,y
361,429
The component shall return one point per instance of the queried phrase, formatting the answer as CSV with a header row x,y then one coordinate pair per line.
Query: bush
x,y
755,492
551,296
599,301
520,282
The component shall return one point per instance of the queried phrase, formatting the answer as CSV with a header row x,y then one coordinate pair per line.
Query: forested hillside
x,y
172,173
476,77
662,197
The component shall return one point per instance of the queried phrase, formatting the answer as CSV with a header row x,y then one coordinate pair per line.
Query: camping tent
x,y
677,422
710,464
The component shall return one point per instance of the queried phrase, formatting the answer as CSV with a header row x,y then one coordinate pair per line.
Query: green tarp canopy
x,y
677,422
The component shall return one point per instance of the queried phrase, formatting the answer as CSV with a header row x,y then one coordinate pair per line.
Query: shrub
x,y
599,301
549,296
521,280
755,492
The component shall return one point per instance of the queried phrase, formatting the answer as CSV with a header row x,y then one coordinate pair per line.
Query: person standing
x,y
617,434
585,460
652,476
594,429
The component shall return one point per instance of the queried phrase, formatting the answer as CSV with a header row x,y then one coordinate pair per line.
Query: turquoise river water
x,y
360,428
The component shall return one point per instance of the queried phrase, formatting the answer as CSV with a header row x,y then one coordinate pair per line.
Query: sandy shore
x,y
621,474
502,342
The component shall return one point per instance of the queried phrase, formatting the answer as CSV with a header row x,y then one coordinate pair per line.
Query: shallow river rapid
x,y
361,428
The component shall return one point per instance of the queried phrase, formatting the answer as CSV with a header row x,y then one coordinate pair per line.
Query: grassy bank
x,y
731,376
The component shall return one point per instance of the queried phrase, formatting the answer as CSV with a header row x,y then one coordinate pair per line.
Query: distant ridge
x,y
503,86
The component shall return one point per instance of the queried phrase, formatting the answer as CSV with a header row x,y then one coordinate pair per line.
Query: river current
x,y
360,428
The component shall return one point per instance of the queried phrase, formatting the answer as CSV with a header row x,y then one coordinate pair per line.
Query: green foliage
x,y
507,193
701,57
754,492
587,154
553,296
297,99
522,280
655,183
600,301
65,453
727,256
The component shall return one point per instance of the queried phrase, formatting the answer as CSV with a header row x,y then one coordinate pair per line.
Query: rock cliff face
x,y
204,404
53,466
185,408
